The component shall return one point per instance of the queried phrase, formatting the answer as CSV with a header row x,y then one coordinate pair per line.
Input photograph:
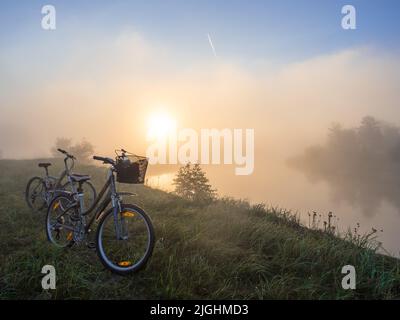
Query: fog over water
x,y
361,165
354,172
105,92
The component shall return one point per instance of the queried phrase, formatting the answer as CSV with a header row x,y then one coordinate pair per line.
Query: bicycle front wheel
x,y
35,194
125,242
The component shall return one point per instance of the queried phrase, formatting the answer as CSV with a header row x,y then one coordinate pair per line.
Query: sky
x,y
285,68
279,31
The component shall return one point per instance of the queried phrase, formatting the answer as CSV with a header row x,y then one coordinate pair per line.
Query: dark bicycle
x,y
125,236
41,190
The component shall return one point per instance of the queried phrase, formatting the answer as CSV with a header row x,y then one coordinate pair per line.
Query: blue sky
x,y
248,31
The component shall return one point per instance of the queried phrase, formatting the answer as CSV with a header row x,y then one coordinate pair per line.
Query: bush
x,y
192,184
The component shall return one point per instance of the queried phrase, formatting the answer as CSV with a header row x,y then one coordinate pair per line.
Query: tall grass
x,y
228,249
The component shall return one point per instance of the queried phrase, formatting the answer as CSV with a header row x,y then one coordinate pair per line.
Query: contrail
x,y
211,45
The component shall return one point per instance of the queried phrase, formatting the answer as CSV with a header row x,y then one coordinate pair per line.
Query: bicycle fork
x,y
119,220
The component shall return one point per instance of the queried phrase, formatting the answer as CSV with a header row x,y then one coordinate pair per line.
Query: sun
x,y
160,125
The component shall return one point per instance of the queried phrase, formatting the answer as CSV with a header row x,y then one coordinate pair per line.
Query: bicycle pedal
x,y
91,245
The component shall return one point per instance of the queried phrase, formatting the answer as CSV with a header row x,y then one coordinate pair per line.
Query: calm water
x,y
279,185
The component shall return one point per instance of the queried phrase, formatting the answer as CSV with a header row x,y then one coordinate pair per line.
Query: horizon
x,y
113,72
189,149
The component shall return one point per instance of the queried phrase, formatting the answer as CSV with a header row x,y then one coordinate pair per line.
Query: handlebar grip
x,y
104,159
67,154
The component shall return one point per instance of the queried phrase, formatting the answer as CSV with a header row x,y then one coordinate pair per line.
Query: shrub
x,y
191,183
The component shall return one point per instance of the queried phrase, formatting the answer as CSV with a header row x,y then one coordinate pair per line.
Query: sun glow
x,y
160,125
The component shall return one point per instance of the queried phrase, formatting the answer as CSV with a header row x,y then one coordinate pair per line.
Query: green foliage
x,y
227,249
192,184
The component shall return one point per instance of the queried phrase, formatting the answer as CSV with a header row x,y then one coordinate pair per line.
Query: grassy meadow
x,y
225,250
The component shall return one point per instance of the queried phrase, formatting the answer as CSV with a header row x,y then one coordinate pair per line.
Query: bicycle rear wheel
x,y
131,251
35,194
60,222
89,193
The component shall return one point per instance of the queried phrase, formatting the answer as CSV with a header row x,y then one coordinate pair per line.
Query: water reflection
x,y
360,165
161,181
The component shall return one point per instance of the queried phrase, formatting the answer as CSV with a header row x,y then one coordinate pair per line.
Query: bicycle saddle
x,y
79,177
44,164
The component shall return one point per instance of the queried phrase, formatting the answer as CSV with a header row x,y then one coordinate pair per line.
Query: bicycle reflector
x,y
127,214
56,205
124,263
131,169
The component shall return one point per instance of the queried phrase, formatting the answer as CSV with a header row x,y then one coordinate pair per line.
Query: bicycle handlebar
x,y
66,153
104,159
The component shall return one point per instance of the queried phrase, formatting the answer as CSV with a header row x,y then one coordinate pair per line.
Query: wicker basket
x,y
131,169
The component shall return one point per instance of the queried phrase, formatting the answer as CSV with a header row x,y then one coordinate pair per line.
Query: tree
x,y
61,143
360,164
191,183
83,150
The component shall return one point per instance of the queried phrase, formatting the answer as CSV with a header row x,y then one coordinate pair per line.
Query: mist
x,y
105,91
360,164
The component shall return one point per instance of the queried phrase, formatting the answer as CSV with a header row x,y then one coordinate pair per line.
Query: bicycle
x,y
40,191
124,236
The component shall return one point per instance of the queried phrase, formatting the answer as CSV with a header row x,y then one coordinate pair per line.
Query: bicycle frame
x,y
67,223
98,206
65,173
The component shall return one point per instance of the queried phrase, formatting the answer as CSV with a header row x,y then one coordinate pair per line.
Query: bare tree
x,y
61,143
82,150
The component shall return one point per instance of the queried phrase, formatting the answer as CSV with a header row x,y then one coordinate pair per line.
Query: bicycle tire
x,y
52,202
100,251
91,187
27,193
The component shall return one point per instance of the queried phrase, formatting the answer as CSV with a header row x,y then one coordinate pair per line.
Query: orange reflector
x,y
69,236
127,214
56,205
124,263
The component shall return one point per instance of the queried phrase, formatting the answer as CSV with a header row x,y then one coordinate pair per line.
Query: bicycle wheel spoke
x,y
133,244
35,194
60,227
